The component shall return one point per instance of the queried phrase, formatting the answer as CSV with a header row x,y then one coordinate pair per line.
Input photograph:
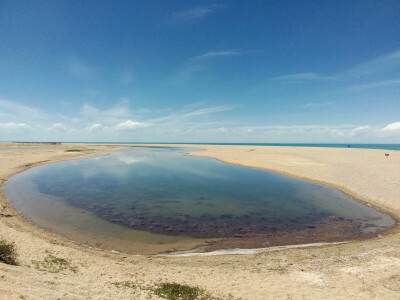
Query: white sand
x,y
356,270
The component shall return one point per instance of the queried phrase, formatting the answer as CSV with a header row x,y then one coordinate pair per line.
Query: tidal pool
x,y
148,200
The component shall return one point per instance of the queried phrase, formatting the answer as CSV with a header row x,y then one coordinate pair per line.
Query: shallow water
x,y
159,196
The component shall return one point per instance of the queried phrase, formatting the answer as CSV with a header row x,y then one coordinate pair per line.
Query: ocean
x,y
361,146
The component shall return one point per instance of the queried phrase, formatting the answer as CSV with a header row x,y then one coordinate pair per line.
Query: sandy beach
x,y
368,269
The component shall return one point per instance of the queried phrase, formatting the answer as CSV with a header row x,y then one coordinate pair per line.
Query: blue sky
x,y
200,71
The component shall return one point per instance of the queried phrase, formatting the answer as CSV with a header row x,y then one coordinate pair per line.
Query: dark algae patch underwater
x,y
162,191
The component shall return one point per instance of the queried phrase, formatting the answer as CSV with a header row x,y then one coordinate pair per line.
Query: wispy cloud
x,y
383,64
91,93
197,122
367,75
79,69
115,113
303,77
127,77
208,110
184,74
375,84
292,127
202,62
191,115
16,109
222,53
196,13
318,104
215,54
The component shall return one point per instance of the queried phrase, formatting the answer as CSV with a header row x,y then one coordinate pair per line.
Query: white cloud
x,y
392,127
94,128
353,132
275,133
13,126
313,133
196,122
59,127
221,129
12,131
129,125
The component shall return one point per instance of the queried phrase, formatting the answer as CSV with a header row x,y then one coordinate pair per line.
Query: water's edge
x,y
392,230
344,190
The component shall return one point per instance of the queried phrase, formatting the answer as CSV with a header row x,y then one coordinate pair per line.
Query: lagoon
x,y
148,200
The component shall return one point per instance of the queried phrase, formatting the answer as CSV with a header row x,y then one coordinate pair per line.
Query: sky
x,y
200,71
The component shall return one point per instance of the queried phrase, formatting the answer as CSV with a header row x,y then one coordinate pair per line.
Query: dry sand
x,y
355,270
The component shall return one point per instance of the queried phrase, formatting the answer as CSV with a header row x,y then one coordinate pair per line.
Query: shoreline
x,y
243,251
328,231
202,150
346,191
372,249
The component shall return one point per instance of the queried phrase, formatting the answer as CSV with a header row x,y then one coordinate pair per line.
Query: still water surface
x,y
160,196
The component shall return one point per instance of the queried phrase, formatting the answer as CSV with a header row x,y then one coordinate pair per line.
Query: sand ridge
x,y
363,270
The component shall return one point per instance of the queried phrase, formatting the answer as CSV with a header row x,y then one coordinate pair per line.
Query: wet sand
x,y
360,269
